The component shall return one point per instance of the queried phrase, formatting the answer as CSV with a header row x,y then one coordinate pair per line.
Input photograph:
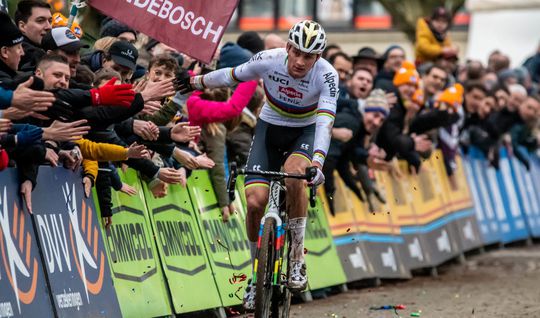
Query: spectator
x,y
502,94
351,148
330,49
533,66
251,41
391,62
116,29
367,58
121,57
33,17
518,94
343,65
432,39
273,41
63,42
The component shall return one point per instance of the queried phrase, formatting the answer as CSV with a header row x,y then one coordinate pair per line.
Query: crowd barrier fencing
x,y
174,255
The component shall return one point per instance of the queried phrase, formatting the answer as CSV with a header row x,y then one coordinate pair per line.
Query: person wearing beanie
x,y
251,41
344,151
118,30
432,39
393,136
33,18
451,100
391,62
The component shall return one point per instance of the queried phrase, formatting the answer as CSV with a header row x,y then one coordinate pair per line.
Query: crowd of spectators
x,y
117,106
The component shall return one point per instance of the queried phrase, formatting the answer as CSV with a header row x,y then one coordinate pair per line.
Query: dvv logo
x,y
20,265
84,238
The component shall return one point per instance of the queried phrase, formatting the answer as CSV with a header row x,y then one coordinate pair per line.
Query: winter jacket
x,y
239,140
206,111
385,81
101,151
5,98
32,54
427,47
164,115
215,149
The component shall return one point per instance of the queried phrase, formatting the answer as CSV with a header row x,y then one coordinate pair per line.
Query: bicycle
x,y
273,298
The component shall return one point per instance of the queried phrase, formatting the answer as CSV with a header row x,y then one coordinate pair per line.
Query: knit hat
x,y
406,74
252,41
115,28
377,102
59,20
10,34
232,55
451,97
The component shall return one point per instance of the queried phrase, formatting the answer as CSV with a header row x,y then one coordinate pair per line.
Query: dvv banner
x,y
73,251
23,289
192,27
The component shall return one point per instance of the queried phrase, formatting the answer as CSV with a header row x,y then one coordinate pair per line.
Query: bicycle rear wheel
x,y
265,265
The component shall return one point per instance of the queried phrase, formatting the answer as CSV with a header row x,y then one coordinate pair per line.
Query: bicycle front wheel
x,y
265,265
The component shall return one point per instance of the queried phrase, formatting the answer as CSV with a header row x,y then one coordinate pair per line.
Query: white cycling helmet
x,y
308,36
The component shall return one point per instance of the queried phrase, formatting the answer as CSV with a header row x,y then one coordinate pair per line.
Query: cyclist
x,y
294,129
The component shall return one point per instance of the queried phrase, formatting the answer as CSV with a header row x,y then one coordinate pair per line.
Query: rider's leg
x,y
257,198
297,204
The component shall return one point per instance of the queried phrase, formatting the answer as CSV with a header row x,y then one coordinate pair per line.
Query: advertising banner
x,y
191,27
137,272
226,242
23,289
346,233
527,198
76,263
321,257
402,214
182,251
516,220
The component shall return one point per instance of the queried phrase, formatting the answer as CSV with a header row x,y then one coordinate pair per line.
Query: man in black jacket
x,y
353,149
33,18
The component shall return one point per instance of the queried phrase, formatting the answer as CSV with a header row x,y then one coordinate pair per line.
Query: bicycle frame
x,y
277,214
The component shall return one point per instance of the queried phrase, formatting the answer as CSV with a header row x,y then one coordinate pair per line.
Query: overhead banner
x,y
69,236
181,250
191,27
138,277
23,289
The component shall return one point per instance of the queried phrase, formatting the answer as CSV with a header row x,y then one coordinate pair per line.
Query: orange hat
x,y
59,20
418,97
406,74
57,5
452,97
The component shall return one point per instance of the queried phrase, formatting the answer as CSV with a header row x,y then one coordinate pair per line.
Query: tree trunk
x,y
406,13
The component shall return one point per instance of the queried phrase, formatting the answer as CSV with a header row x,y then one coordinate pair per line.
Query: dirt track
x,y
500,283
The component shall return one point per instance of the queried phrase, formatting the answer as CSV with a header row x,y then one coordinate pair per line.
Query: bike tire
x,y
266,260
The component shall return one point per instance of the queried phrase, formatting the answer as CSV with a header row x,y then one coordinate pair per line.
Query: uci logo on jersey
x,y
330,79
21,267
279,80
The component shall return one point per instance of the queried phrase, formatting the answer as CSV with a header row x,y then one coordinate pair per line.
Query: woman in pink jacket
x,y
213,111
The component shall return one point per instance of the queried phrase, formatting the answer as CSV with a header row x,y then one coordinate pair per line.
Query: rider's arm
x,y
229,76
325,116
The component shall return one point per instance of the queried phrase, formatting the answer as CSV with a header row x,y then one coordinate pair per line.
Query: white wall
x,y
514,32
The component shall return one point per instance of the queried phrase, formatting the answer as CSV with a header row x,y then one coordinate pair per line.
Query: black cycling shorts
x,y
272,145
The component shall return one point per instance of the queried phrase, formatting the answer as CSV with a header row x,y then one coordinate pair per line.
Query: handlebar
x,y
311,172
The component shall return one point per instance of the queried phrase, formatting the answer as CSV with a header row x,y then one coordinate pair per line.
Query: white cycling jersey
x,y
289,102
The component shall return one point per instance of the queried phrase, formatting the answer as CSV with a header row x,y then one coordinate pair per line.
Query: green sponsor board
x,y
323,265
182,251
136,271
226,243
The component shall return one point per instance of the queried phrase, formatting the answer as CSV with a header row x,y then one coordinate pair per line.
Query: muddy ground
x,y
498,283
